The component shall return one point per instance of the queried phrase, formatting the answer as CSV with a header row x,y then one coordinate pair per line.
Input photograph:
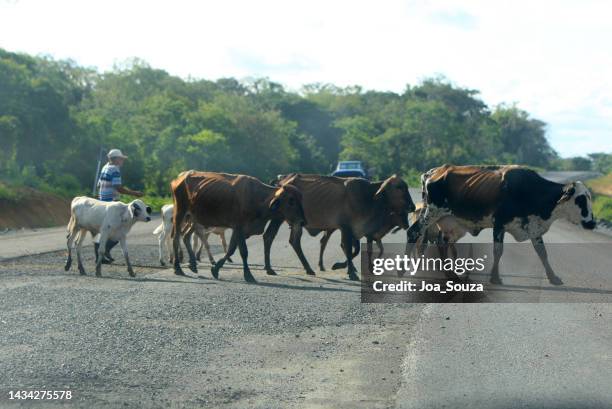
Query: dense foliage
x,y
55,116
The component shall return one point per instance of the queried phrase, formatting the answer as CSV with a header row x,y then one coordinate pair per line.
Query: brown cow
x,y
355,206
240,202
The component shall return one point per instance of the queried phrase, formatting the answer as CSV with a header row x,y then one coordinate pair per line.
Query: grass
x,y
602,196
602,207
602,185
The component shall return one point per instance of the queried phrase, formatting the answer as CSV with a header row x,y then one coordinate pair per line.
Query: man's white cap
x,y
115,153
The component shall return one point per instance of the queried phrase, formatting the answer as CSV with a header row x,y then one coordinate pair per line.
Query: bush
x,y
8,193
602,207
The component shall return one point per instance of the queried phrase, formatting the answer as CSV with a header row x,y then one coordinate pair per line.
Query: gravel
x,y
163,340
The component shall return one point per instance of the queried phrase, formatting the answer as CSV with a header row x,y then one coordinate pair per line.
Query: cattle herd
x,y
456,200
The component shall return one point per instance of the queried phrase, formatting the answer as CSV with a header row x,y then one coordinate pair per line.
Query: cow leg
x,y
69,240
214,269
103,241
416,231
79,244
193,264
124,250
204,240
369,251
177,222
197,245
347,246
224,244
342,264
323,242
295,240
162,247
498,249
381,248
538,245
268,237
244,254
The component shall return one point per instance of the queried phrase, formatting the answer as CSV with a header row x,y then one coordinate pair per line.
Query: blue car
x,y
350,168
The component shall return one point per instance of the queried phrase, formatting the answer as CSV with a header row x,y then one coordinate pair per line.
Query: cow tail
x,y
71,224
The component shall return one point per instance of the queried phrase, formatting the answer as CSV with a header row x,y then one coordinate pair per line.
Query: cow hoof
x,y
214,270
271,272
67,266
249,278
555,280
338,266
98,274
179,272
353,277
162,263
400,273
132,274
496,280
310,272
230,260
321,268
193,267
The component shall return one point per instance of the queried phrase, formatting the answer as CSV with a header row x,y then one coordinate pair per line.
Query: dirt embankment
x,y
34,209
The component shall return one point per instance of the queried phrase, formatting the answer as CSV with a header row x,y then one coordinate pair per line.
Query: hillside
x,y
32,208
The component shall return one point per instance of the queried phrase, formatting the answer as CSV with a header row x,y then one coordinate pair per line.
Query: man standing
x,y
110,187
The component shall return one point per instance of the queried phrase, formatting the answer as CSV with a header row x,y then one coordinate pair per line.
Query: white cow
x,y
113,220
200,239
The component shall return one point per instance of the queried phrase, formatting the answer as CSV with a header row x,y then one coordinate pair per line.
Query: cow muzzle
x,y
590,225
147,219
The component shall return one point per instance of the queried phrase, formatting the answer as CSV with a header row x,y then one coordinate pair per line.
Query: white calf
x,y
113,220
200,239
164,230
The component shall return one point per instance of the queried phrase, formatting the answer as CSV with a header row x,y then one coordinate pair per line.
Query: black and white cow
x,y
509,199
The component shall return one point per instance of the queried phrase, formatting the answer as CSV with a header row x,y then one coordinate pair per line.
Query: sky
x,y
552,58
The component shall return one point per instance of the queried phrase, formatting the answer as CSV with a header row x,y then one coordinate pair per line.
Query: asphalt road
x,y
520,355
291,341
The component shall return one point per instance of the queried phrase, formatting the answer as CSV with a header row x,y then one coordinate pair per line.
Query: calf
x,y
391,222
444,234
353,205
164,232
113,220
511,199
242,203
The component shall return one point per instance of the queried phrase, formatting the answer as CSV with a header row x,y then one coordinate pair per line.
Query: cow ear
x,y
135,209
568,192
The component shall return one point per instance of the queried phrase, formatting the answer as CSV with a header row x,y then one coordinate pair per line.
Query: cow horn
x,y
383,187
568,192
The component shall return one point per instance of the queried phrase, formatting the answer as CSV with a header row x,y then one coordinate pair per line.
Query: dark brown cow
x,y
240,202
355,206
511,199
